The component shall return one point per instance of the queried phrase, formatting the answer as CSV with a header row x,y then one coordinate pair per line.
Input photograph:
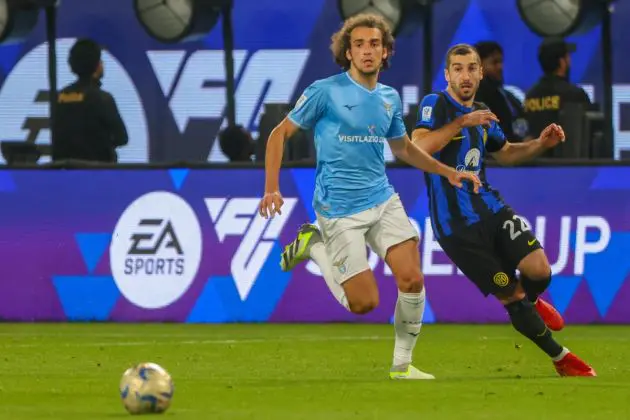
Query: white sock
x,y
319,255
407,324
559,357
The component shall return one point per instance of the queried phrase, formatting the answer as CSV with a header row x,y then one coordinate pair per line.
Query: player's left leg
x,y
535,278
404,261
395,240
519,248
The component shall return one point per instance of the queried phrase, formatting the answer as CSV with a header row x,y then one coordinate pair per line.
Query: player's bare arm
x,y
408,152
432,141
517,153
272,200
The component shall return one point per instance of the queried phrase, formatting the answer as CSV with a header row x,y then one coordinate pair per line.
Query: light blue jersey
x,y
351,126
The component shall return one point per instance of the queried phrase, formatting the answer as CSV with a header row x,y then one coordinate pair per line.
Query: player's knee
x,y
541,270
411,280
537,268
363,306
362,293
512,293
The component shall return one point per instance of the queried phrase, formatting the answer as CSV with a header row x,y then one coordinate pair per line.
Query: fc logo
x,y
501,279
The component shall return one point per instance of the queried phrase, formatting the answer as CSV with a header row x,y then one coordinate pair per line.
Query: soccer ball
x,y
146,388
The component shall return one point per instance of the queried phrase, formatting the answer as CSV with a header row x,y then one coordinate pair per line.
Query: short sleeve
x,y
431,113
310,107
496,138
397,129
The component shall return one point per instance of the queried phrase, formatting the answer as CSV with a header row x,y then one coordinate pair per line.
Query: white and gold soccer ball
x,y
146,388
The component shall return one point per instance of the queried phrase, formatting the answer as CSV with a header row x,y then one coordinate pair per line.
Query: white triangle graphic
x,y
214,206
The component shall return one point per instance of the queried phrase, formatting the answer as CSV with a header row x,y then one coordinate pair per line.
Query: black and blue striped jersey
x,y
452,208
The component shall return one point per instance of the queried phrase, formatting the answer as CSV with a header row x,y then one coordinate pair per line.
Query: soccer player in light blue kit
x,y
353,116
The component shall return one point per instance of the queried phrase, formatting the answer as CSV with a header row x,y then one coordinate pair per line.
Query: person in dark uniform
x,y
87,125
545,99
483,236
501,102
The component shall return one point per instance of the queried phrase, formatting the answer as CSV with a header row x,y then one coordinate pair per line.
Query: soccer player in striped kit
x,y
482,235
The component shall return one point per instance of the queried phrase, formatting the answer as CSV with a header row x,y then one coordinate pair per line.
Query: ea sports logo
x,y
156,250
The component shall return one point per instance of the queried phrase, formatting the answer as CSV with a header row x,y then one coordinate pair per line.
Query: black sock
x,y
526,320
535,288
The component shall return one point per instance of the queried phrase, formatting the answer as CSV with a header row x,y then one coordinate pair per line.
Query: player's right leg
x,y
299,249
478,262
527,321
338,248
309,245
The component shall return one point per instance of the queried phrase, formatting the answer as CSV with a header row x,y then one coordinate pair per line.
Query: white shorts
x,y
380,227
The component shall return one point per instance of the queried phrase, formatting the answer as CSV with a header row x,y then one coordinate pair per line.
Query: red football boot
x,y
550,315
571,365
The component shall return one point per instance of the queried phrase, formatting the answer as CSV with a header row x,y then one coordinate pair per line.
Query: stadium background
x,y
172,96
59,228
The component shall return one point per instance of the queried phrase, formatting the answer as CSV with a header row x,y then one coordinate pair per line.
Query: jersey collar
x,y
361,86
457,105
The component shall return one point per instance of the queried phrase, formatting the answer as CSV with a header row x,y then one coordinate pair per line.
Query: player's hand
x,y
481,117
271,204
551,136
457,179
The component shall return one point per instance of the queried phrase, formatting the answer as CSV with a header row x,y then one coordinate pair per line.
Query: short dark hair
x,y
341,39
85,56
460,49
549,64
486,48
551,50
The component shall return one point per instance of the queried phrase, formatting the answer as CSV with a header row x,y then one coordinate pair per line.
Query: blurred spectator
x,y
87,123
553,91
237,144
501,102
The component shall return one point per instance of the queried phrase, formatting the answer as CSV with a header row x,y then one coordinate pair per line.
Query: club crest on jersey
x,y
372,129
388,108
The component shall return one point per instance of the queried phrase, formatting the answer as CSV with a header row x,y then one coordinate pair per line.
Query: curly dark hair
x,y
341,39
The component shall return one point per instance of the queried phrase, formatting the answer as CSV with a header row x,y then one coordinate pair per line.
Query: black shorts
x,y
488,252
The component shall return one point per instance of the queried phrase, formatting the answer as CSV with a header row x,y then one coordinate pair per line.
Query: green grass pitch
x,y
328,372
